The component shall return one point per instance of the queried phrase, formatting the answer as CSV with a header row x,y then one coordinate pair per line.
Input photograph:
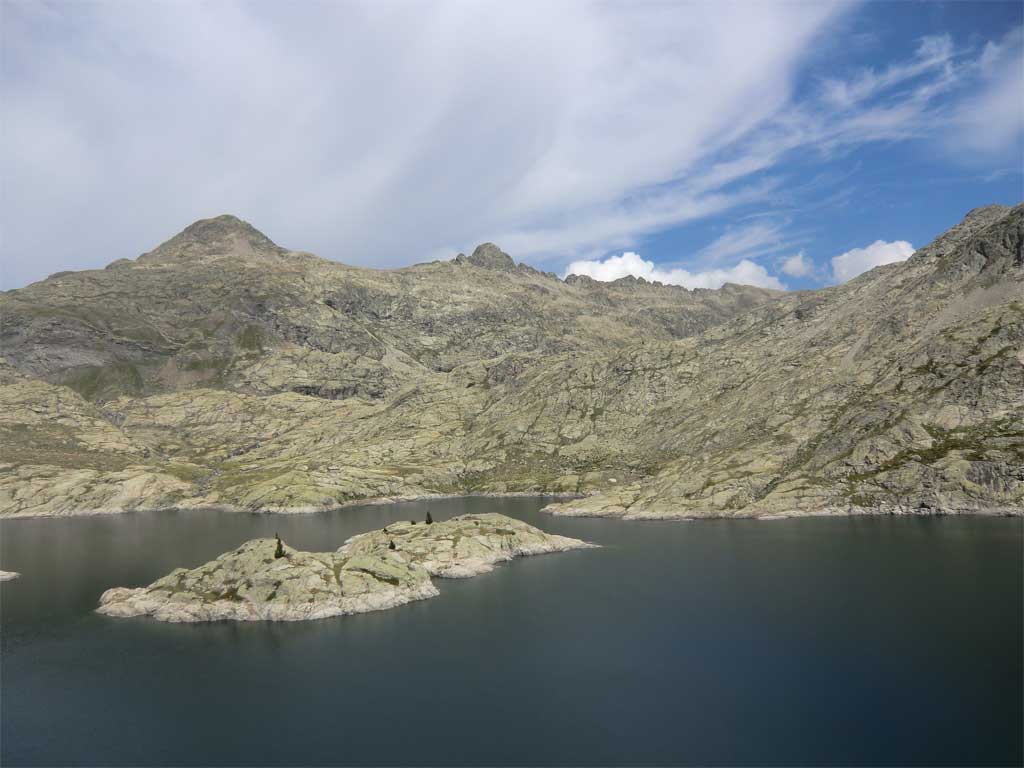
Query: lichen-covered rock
x,y
366,574
58,491
250,584
463,546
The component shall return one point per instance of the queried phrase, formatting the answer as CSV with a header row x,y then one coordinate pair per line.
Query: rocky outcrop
x,y
490,256
222,236
50,491
460,547
251,584
8,575
371,572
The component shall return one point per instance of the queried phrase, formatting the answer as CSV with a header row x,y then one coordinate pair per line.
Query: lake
x,y
819,641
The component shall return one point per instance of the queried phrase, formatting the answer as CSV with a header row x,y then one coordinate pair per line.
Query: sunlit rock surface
x,y
371,572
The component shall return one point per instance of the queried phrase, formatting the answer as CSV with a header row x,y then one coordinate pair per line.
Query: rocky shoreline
x,y
265,580
626,513
601,509
283,510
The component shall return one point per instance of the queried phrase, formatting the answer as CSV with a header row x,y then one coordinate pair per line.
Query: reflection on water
x,y
863,640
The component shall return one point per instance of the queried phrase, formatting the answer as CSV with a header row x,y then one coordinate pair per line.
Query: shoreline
x,y
688,517
569,512
307,510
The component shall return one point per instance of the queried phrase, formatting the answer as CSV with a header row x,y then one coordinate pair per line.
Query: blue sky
x,y
888,190
788,145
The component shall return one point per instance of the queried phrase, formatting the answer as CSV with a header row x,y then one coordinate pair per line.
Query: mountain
x,y
220,369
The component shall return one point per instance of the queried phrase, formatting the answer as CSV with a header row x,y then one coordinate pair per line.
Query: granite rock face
x,y
251,583
460,547
222,370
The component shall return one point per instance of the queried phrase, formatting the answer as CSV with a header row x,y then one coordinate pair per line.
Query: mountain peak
x,y
224,235
490,256
975,222
223,224
986,213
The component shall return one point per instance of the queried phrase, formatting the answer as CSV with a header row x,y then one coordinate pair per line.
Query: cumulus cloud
x,y
629,263
848,265
798,265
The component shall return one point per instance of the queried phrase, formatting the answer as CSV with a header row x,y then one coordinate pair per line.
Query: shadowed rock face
x,y
252,584
223,370
490,256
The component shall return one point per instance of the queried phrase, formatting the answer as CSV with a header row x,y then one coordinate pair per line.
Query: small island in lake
x,y
370,572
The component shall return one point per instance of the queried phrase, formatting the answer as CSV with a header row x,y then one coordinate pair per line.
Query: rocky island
x,y
265,580
8,575
222,370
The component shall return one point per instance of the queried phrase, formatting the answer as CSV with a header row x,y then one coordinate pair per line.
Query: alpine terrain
x,y
221,370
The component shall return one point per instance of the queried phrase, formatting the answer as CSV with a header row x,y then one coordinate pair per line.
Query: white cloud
x,y
378,133
617,226
612,268
990,122
848,265
933,53
388,133
750,240
797,266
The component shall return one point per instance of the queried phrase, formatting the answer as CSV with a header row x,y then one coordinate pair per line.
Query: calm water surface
x,y
846,641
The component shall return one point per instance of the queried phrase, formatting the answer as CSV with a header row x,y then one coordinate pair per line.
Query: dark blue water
x,y
846,641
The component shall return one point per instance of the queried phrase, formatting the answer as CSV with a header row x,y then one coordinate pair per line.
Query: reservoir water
x,y
821,641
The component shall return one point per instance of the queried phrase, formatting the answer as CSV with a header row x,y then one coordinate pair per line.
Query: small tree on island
x,y
430,520
279,552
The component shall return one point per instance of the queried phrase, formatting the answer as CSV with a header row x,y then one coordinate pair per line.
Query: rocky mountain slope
x,y
222,370
220,305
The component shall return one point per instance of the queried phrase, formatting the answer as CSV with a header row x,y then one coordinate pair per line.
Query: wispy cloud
x,y
933,54
380,132
990,121
750,241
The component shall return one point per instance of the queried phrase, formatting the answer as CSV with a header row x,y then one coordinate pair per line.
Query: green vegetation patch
x,y
974,442
251,338
106,382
